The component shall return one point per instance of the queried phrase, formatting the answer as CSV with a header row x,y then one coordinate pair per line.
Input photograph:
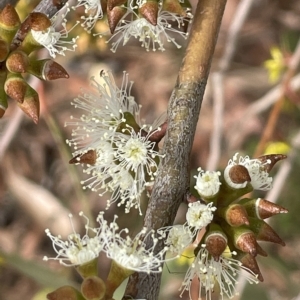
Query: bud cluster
x,y
17,62
149,21
231,239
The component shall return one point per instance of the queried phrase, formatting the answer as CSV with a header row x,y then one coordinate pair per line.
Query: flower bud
x,y
261,251
39,21
229,191
17,62
93,288
113,3
238,176
264,232
31,104
4,49
173,6
242,237
65,293
15,87
117,274
88,269
262,208
114,16
250,263
149,11
9,23
215,240
86,158
157,135
247,243
234,214
47,69
270,160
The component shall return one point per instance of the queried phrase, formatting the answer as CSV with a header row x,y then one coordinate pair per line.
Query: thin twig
x,y
274,115
258,107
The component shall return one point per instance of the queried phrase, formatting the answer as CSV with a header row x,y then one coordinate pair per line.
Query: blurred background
x,y
246,109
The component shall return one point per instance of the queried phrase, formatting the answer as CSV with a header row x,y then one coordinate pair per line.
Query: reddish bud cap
x,y
246,242
93,288
264,232
236,215
266,209
216,244
239,174
52,70
31,105
173,6
39,21
86,158
65,293
15,87
149,11
272,159
17,62
114,16
250,262
9,18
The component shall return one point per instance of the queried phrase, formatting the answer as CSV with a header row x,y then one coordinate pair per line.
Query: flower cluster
x,y
121,157
129,253
225,271
151,23
233,225
79,250
152,35
17,61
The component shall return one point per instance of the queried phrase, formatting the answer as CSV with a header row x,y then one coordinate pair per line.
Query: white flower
x,y
260,179
103,112
132,253
94,10
208,183
54,41
176,238
151,37
225,272
126,158
79,250
199,215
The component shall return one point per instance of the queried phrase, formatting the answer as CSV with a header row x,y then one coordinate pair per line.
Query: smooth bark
x,y
172,181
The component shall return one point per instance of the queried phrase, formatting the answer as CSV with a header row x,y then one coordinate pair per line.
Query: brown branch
x,y
183,112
